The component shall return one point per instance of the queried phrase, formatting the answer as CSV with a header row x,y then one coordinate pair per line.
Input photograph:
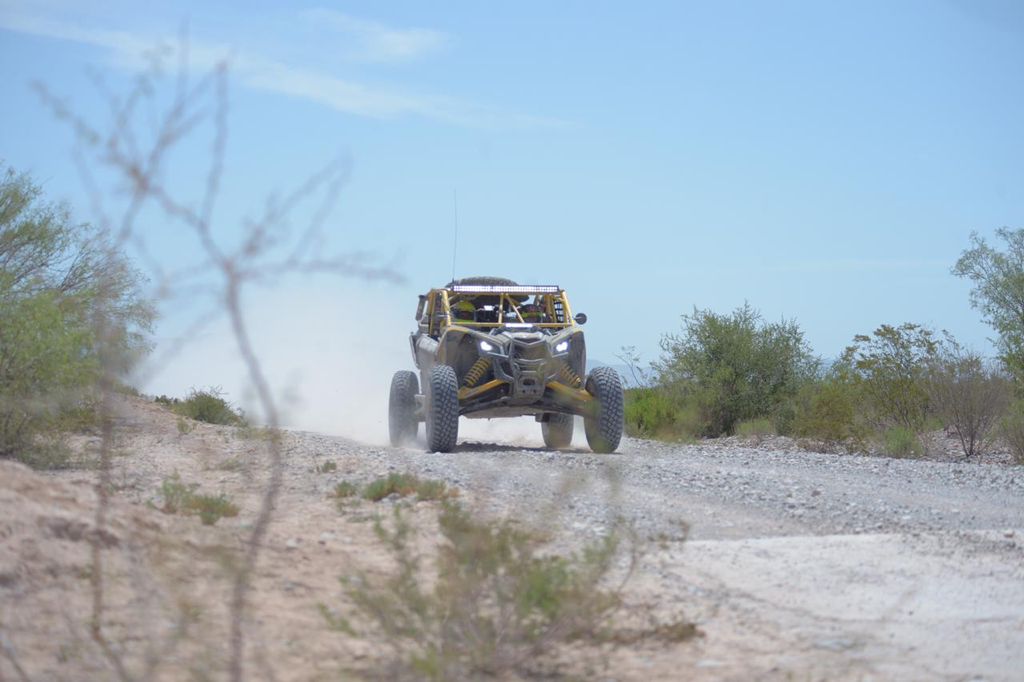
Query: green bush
x,y
734,367
968,395
826,411
653,413
58,282
898,441
1011,428
889,369
209,406
755,428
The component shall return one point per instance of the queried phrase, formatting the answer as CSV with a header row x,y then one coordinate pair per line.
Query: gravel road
x,y
723,491
798,565
794,565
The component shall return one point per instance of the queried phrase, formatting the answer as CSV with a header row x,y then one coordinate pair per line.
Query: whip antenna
x,y
455,240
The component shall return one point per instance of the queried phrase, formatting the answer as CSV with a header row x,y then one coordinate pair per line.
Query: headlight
x,y
486,347
562,347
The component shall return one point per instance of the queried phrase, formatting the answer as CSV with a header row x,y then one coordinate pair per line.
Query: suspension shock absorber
x,y
476,372
568,376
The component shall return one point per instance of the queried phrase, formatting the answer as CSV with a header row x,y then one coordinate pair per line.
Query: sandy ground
x,y
797,567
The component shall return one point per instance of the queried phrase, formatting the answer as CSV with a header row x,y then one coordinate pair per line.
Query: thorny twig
x,y
222,271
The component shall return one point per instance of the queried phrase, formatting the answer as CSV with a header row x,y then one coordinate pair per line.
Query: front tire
x,y
604,423
557,431
402,422
442,409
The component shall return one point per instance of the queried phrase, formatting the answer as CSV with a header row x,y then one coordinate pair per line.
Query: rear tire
x,y
402,422
557,430
442,409
604,423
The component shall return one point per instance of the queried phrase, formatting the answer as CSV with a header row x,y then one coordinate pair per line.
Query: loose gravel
x,y
722,490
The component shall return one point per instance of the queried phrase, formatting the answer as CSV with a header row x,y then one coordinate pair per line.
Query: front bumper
x,y
525,386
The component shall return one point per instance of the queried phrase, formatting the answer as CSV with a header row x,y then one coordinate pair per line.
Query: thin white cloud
x,y
376,42
129,49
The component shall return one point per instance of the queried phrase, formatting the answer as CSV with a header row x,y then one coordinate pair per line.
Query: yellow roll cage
x,y
552,299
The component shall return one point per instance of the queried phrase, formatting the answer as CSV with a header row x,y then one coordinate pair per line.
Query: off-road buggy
x,y
487,347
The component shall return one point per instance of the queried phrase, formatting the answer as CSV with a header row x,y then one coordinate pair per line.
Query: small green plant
x,y
901,442
431,490
212,508
175,494
344,494
346,489
404,485
326,468
181,498
208,405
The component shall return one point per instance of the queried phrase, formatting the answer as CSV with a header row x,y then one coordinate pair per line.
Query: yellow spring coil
x,y
568,376
476,372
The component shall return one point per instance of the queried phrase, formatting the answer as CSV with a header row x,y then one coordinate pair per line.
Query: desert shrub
x,y
60,283
181,498
212,508
734,367
968,395
346,489
655,413
498,600
899,441
166,401
826,411
1011,428
208,405
755,428
888,370
48,454
404,485
327,467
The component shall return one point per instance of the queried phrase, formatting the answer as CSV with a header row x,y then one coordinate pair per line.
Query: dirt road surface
x,y
795,565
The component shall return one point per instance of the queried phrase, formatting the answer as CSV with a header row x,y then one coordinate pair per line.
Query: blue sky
x,y
825,161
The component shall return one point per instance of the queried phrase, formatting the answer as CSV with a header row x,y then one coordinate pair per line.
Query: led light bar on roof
x,y
492,289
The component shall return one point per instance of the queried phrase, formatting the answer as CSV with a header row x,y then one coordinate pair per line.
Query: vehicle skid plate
x,y
557,398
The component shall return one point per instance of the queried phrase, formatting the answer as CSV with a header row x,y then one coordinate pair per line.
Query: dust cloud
x,y
329,355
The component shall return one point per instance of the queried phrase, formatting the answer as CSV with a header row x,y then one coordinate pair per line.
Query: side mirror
x,y
581,318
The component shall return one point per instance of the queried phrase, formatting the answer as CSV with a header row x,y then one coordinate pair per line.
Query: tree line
x,y
736,373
